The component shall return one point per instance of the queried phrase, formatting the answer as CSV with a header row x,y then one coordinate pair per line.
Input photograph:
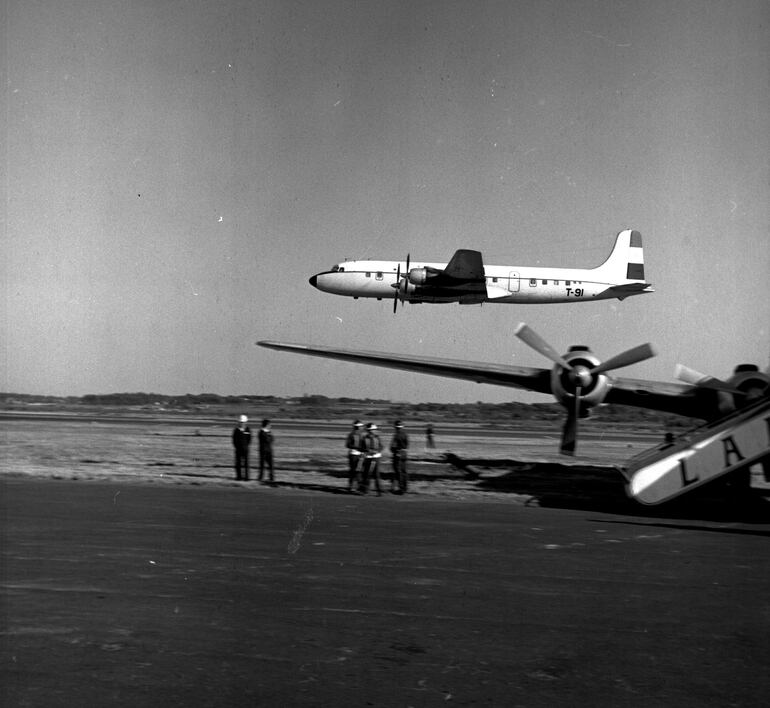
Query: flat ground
x,y
136,571
309,454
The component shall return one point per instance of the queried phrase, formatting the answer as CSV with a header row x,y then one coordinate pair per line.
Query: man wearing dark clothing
x,y
371,446
353,444
398,446
241,442
265,450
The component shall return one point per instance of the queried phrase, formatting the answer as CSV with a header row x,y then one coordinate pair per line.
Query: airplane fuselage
x,y
505,284
467,280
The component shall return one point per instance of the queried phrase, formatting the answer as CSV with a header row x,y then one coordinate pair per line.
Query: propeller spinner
x,y
577,379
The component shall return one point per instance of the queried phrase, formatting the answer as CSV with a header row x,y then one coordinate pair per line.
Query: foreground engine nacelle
x,y
593,387
750,381
579,381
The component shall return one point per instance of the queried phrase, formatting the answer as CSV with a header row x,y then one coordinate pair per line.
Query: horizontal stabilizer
x,y
621,292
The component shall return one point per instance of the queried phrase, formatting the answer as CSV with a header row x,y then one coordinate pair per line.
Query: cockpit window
x,y
335,268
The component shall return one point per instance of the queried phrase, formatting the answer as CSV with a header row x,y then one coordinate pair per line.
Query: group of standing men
x,y
365,453
241,443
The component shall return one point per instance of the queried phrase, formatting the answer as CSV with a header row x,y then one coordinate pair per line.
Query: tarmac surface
x,y
139,594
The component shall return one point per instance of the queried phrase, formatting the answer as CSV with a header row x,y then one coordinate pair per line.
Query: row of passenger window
x,y
533,282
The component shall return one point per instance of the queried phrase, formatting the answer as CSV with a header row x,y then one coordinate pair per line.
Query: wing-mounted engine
x,y
578,379
567,385
406,285
746,385
421,276
463,280
750,382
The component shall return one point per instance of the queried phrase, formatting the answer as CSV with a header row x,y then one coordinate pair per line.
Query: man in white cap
x,y
353,444
371,446
241,442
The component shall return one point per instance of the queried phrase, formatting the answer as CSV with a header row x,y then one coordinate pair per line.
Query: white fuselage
x,y
465,279
505,284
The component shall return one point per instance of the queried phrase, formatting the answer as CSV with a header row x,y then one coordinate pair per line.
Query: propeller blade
x,y
398,287
570,431
527,335
696,378
626,358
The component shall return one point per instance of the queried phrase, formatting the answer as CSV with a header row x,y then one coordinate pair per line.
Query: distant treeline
x,y
323,407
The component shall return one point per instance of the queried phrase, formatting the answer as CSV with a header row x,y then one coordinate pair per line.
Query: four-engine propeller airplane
x,y
466,280
579,380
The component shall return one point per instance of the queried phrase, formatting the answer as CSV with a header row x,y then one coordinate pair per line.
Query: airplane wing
x,y
462,280
681,399
525,377
667,397
465,265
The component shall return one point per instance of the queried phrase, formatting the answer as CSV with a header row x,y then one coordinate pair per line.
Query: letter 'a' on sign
x,y
728,445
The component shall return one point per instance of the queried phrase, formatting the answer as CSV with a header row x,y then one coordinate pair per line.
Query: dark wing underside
x,y
462,280
655,395
465,265
524,377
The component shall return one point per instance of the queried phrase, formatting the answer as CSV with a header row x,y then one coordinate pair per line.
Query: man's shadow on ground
x,y
560,486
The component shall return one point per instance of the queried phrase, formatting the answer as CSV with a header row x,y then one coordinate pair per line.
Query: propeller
x,y
569,431
528,335
581,377
397,285
696,378
626,358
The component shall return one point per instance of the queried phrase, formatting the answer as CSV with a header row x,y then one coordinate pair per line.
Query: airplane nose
x,y
313,281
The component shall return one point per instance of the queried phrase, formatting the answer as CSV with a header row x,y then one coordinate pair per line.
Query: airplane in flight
x,y
578,380
466,280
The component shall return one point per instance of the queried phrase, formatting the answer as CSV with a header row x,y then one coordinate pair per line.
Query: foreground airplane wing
x,y
525,377
656,395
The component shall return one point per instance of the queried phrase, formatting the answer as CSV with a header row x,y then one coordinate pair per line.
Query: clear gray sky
x,y
175,171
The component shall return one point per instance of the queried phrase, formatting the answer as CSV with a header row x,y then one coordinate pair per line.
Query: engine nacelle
x,y
418,276
593,387
748,379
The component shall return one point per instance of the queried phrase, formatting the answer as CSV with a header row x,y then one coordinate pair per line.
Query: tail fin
x,y
626,262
